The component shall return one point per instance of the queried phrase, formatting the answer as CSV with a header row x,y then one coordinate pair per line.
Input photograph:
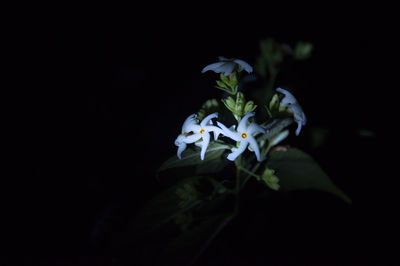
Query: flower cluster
x,y
198,132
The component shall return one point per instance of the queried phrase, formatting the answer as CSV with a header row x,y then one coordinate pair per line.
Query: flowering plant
x,y
247,143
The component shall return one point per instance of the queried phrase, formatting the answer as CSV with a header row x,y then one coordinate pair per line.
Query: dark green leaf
x,y
296,170
164,207
192,156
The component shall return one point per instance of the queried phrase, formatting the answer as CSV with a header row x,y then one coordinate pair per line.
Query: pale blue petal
x,y
254,128
288,99
298,128
254,146
213,67
244,65
298,113
227,68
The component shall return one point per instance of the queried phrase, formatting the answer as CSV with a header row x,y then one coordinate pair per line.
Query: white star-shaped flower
x,y
192,131
291,102
227,66
244,135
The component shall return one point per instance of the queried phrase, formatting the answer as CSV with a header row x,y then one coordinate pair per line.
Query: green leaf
x,y
296,170
192,156
302,50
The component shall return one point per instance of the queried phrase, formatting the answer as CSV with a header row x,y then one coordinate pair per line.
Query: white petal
x,y
254,128
190,120
181,148
213,67
243,123
198,143
215,130
179,140
207,119
206,140
192,138
244,65
236,152
227,132
192,128
254,146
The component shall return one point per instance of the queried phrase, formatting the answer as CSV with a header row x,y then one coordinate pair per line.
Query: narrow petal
x,y
190,120
181,148
212,67
243,123
192,138
244,65
254,128
298,128
179,140
236,152
207,119
215,130
205,142
254,146
288,99
227,132
298,113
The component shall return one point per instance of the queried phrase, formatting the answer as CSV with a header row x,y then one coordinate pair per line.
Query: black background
x,y
105,96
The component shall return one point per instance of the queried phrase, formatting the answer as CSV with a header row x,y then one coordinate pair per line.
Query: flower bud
x,y
229,103
271,179
278,138
274,103
240,103
249,107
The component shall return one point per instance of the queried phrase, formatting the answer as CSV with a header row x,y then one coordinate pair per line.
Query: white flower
x,y
227,66
244,135
291,102
192,131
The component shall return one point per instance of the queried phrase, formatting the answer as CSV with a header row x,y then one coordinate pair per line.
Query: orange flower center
x,y
202,130
244,135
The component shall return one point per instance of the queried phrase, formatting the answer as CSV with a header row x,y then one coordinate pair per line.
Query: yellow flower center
x,y
244,135
183,132
202,130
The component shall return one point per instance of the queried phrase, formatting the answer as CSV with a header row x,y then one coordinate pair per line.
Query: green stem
x,y
248,172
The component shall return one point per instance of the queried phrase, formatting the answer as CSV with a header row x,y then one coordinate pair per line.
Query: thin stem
x,y
248,172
